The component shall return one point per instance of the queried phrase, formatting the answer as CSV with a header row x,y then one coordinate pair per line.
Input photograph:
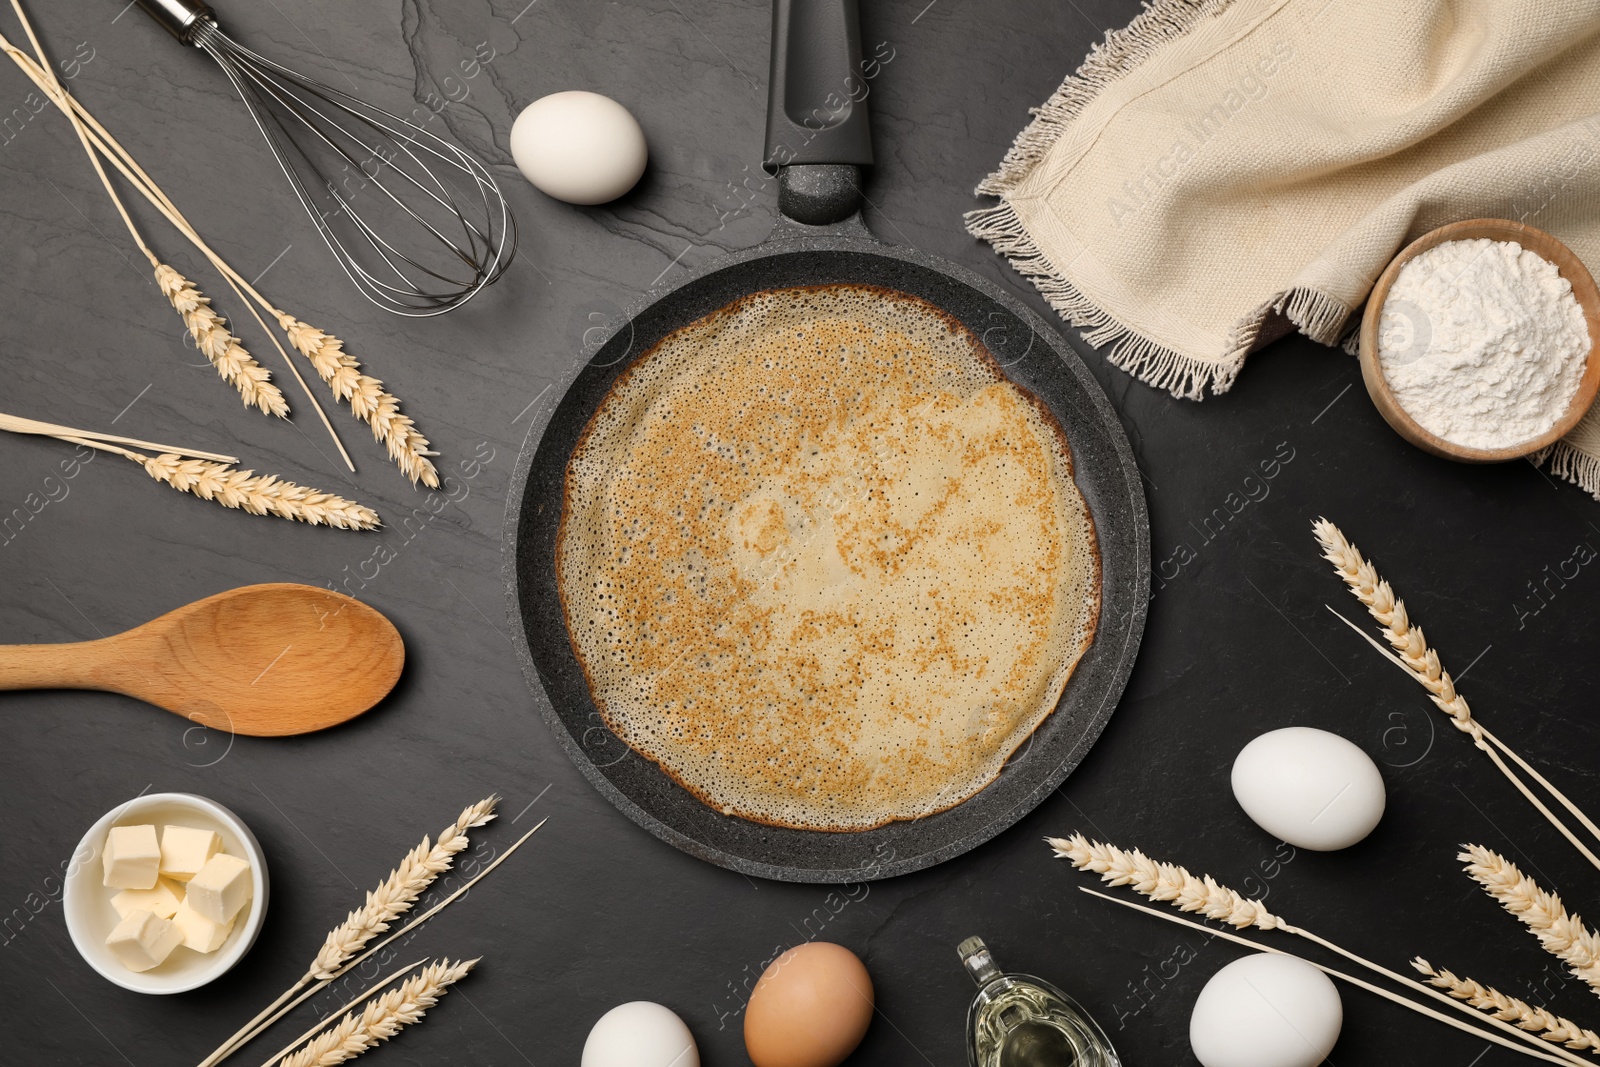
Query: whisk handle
x,y
180,17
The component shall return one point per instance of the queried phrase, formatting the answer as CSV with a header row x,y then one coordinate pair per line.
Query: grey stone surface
x,y
595,911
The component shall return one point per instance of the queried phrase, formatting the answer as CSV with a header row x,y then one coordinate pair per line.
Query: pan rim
x,y
1129,494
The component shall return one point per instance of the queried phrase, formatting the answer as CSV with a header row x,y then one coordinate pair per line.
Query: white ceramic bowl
x,y
90,916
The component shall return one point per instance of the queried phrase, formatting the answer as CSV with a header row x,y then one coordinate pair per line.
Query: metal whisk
x,y
358,170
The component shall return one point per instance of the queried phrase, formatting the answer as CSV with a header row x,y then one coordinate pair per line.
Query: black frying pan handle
x,y
817,109
816,95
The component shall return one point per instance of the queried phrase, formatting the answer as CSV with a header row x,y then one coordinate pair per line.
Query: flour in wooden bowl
x,y
1483,343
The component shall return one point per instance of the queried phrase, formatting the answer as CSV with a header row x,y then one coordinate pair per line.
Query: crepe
x,y
822,562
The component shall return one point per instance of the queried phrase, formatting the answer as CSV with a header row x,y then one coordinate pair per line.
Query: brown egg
x,y
810,1009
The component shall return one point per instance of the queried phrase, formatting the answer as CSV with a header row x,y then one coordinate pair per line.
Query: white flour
x,y
1482,342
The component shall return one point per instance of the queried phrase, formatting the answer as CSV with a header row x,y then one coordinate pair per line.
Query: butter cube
x,y
163,900
199,932
221,888
185,849
132,857
144,940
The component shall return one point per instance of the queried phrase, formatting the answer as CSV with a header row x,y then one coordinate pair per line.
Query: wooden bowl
x,y
1537,241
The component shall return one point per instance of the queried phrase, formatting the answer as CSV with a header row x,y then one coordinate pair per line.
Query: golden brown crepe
x,y
822,562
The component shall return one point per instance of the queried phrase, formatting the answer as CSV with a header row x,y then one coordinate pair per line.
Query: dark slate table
x,y
594,911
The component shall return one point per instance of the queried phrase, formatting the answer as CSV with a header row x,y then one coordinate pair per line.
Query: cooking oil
x,y
1017,1020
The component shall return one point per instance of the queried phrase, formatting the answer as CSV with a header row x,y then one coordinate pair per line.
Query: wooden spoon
x,y
263,660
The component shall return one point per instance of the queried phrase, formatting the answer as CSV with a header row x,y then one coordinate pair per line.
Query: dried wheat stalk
x,y
232,488
382,1018
217,343
373,949
1412,653
418,920
393,897
1174,884
208,329
1550,1056
1407,640
1519,1013
1562,933
95,138
368,399
399,891
360,998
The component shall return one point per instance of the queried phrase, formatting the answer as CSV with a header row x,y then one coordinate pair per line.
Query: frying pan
x,y
817,142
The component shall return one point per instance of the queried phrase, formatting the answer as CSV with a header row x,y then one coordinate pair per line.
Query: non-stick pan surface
x,y
1033,356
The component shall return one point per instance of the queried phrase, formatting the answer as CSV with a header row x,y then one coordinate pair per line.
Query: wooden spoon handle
x,y
74,665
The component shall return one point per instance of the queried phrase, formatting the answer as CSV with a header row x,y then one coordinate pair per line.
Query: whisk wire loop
x,y
332,147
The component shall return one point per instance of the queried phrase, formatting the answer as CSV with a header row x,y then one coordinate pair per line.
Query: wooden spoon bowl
x,y
262,660
1536,241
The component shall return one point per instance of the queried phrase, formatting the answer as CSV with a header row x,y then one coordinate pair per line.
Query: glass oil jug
x,y
1017,1020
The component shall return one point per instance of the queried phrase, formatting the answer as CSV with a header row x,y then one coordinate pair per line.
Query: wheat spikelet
x,y
1520,1013
258,494
399,891
367,398
1164,881
217,343
1407,640
383,1017
1562,933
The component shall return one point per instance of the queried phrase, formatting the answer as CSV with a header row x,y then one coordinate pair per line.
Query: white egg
x,y
1265,1011
580,147
1310,788
640,1034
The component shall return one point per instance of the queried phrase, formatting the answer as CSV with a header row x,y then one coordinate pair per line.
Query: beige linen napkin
x,y
1223,171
